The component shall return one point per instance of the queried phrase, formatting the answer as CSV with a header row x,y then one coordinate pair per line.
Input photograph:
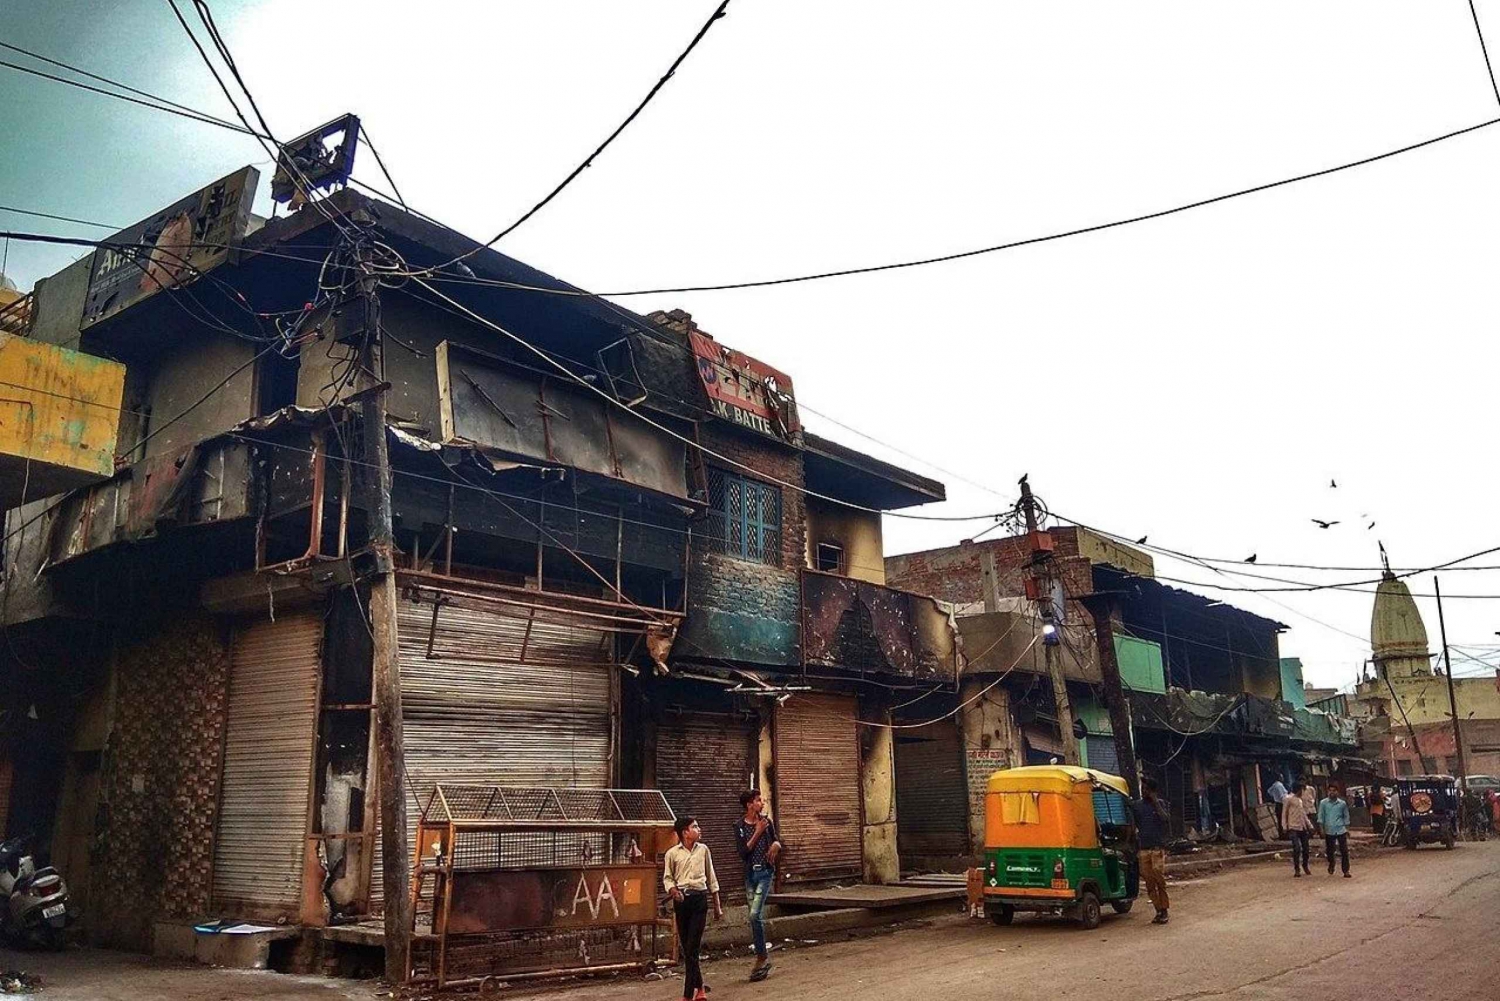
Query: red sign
x,y
744,391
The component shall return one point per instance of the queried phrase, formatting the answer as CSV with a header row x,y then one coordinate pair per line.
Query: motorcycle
x,y
36,909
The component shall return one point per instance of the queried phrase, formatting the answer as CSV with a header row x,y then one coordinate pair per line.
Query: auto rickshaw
x,y
1058,839
1428,806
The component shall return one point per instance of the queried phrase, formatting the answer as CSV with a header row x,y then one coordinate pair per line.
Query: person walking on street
x,y
759,847
1151,835
688,876
1333,817
1377,810
1277,795
1298,827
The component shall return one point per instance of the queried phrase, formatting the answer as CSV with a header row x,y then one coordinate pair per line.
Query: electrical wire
x,y
588,161
194,116
1485,49
59,218
381,164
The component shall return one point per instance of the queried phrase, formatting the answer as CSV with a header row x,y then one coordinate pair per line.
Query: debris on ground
x,y
19,982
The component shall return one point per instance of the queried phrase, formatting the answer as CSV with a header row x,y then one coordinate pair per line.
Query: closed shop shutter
x,y
503,701
270,731
817,788
1102,756
703,763
932,798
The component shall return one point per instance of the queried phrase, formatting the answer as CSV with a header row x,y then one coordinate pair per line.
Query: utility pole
x,y
1043,589
1102,609
1458,736
385,669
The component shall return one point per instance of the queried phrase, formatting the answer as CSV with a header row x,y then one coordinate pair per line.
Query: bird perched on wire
x,y
1324,524
1141,541
1251,558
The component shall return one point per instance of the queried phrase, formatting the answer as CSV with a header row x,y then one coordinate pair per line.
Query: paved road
x,y
1429,919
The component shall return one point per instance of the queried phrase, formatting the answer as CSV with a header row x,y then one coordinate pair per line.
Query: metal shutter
x,y
503,700
702,765
1102,756
932,798
269,741
817,788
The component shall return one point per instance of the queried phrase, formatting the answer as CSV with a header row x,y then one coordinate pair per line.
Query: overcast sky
x,y
1200,378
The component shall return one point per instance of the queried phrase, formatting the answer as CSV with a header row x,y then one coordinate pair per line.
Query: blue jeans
x,y
757,888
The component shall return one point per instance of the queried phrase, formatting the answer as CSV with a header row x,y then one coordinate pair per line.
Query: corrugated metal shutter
x,y
817,787
703,763
1102,753
503,700
268,763
932,798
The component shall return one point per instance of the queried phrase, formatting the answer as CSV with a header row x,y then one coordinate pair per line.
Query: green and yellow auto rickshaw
x,y
1058,839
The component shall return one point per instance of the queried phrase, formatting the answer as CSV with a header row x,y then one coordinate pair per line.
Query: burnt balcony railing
x,y
854,626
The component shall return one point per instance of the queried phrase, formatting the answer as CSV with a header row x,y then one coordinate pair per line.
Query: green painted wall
x,y
1291,682
1140,664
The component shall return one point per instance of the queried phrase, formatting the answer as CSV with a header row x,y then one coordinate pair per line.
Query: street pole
x,y
1101,610
390,752
1042,581
1458,736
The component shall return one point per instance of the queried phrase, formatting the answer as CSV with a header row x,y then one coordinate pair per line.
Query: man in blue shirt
x,y
1333,817
1151,819
759,847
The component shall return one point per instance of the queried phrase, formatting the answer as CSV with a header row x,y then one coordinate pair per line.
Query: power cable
x,y
1030,241
588,161
194,116
1485,49
59,218
379,162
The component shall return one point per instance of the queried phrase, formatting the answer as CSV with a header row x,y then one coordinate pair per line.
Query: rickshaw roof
x,y
1053,778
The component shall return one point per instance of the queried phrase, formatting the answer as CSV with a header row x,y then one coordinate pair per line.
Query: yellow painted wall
x,y
858,532
59,407
1425,698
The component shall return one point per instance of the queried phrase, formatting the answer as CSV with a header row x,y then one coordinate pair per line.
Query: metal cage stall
x,y
522,883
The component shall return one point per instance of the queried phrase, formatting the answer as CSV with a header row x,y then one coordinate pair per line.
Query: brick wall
x,y
956,573
740,610
160,790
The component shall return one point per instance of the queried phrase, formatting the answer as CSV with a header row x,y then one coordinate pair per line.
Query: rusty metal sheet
x,y
494,900
818,806
857,626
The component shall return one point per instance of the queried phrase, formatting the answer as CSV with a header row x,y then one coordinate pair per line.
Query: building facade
x,y
619,561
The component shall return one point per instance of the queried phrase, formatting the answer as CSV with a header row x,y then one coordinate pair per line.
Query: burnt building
x,y
1203,680
618,561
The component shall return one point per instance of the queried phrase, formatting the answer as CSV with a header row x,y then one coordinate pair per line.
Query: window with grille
x,y
744,519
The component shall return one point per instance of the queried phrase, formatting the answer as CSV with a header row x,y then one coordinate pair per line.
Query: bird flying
x,y
1324,524
1333,484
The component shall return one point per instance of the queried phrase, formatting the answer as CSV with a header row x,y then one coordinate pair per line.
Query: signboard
x,y
744,391
170,248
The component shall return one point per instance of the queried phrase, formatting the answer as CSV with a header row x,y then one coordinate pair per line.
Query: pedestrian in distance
x,y
1276,793
1333,818
1295,822
1151,843
688,876
1377,809
760,848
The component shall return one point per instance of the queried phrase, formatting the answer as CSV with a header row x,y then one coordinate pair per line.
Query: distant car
x,y
1482,783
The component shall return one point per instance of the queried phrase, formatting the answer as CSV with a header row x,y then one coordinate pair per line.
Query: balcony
x,y
855,627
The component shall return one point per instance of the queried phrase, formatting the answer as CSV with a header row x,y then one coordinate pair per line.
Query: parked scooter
x,y
37,911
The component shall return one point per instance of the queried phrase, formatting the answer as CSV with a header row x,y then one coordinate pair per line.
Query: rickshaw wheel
x,y
1122,906
1001,914
1448,839
1089,914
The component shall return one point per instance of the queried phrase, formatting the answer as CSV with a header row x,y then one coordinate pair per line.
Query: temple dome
x,y
1396,629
